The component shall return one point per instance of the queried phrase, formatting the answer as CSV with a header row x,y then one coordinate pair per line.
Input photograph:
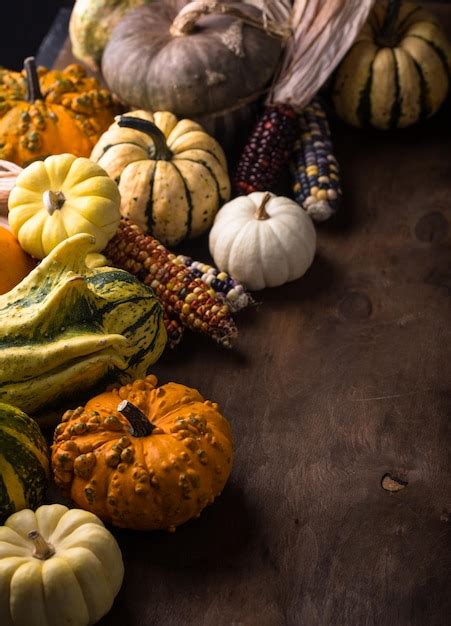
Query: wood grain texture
x,y
337,379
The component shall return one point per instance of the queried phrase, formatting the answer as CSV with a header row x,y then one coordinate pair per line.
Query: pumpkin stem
x,y
53,201
42,549
139,424
261,213
34,89
162,152
185,21
388,34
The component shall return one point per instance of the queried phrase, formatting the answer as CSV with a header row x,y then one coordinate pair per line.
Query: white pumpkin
x,y
263,240
57,566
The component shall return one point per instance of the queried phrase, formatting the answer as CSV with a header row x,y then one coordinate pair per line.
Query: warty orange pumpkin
x,y
143,456
50,112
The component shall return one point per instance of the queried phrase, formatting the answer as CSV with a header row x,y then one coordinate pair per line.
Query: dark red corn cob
x,y
268,150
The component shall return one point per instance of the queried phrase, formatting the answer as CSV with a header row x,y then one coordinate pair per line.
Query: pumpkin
x,y
15,264
143,456
211,68
24,463
91,23
57,566
398,70
172,176
263,240
60,197
65,328
51,112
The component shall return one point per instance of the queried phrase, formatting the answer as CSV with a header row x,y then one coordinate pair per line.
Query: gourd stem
x,y
261,213
42,549
162,152
33,87
139,424
185,22
388,34
53,200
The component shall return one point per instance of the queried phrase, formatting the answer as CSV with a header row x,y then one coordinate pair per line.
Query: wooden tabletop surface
x,y
337,379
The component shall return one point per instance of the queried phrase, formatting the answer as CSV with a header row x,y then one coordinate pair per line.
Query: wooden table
x,y
337,379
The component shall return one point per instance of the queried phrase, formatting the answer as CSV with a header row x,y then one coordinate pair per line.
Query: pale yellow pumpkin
x,y
60,197
57,566
172,175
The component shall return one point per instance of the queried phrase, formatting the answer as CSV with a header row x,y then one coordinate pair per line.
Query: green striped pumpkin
x,y
65,328
398,70
172,175
24,464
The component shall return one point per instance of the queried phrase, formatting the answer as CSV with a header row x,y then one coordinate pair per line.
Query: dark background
x,y
24,25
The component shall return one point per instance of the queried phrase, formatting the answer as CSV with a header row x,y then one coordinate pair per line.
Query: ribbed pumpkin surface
x,y
24,464
173,190
66,327
392,78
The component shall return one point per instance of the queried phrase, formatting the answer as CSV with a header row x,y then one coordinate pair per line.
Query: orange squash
x,y
15,264
51,112
143,456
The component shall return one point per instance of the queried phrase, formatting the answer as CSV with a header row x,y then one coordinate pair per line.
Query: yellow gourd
x,y
60,197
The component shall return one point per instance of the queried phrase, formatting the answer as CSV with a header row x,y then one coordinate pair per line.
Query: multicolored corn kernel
x,y
268,150
184,297
314,168
220,282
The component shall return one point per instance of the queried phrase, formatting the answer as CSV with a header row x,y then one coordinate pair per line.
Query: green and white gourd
x,y
91,24
66,327
24,464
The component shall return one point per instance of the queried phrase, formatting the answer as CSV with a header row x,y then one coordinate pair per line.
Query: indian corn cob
x,y
183,296
174,330
268,150
224,285
314,168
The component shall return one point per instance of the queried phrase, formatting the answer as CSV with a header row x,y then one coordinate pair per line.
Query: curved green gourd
x,y
24,464
66,327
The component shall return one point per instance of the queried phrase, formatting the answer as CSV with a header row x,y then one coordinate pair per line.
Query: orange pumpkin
x,y
143,456
51,112
15,264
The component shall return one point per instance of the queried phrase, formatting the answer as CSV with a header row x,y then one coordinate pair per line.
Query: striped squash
x,y
172,175
65,328
398,70
24,464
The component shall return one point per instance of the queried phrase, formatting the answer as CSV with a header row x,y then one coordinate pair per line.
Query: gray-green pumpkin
x,y
210,68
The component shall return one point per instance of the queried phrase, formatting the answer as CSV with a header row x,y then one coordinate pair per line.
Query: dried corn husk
x,y
8,174
322,33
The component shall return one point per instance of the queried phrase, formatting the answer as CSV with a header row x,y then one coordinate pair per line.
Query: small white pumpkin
x,y
57,566
263,240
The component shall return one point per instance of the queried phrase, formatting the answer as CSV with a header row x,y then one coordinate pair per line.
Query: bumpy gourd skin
x,y
65,328
156,481
91,24
57,566
70,117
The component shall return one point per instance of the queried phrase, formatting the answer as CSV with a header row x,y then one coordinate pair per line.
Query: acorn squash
x,y
66,327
